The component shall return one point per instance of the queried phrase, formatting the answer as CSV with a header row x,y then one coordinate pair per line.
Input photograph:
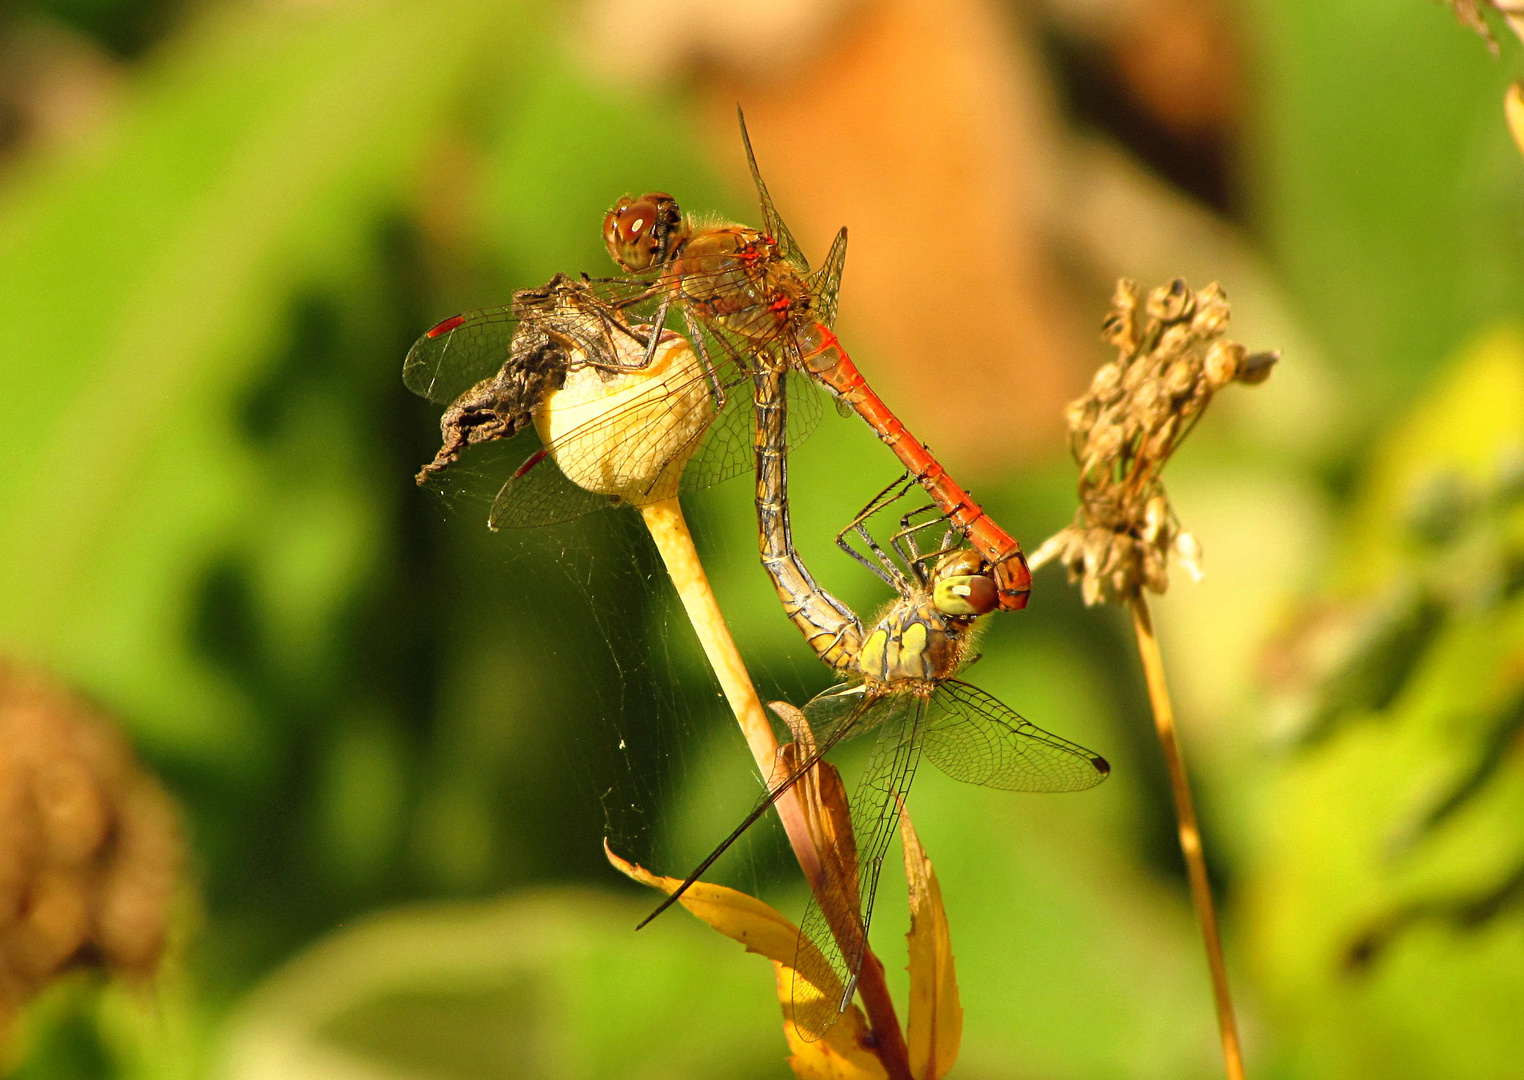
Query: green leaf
x,y
143,285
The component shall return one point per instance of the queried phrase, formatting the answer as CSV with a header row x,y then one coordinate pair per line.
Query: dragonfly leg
x,y
614,321
658,323
907,544
885,568
696,339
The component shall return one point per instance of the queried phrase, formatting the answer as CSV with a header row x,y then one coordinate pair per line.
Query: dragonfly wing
x,y
974,738
771,222
538,493
804,397
730,446
834,932
825,283
456,354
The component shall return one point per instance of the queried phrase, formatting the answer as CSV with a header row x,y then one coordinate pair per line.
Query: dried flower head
x,y
90,851
1171,358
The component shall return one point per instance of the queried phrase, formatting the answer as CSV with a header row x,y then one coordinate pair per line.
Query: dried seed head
x,y
1172,302
1171,359
90,852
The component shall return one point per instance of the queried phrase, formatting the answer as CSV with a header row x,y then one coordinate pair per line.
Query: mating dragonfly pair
x,y
716,319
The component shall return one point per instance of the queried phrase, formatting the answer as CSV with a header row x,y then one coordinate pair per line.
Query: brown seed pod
x,y
1171,359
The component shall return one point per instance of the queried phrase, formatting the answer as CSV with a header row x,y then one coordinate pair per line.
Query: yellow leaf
x,y
738,916
843,1053
935,1027
1513,109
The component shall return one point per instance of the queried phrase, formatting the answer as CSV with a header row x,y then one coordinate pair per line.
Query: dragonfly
x,y
900,685
625,410
747,301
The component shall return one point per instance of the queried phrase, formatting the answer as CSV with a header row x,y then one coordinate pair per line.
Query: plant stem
x,y
1190,833
670,533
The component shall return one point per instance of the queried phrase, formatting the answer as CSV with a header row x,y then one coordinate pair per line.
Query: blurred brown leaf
x,y
927,127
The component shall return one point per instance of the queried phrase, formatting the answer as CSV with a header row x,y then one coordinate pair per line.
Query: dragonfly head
x,y
642,232
961,586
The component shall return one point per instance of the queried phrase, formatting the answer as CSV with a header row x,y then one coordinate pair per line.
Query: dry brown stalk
x,y
1171,359
675,543
1190,833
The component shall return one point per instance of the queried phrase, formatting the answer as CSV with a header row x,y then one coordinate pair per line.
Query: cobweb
x,y
646,748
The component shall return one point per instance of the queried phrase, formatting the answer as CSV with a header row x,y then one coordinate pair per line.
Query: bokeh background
x,y
396,740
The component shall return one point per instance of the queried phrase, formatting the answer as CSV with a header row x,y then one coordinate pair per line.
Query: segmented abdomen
x,y
829,626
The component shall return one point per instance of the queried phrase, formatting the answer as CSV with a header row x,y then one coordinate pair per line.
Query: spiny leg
x,y
885,569
696,339
907,537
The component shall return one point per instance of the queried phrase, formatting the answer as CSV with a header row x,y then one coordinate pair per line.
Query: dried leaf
x,y
1513,109
935,1028
843,1053
743,918
829,817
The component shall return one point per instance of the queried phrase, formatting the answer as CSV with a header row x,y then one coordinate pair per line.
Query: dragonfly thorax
x,y
732,275
914,642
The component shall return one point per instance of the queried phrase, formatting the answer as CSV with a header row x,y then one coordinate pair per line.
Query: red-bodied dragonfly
x,y
748,302
900,685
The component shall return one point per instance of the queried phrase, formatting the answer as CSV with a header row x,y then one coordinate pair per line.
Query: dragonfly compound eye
x,y
966,594
642,232
960,563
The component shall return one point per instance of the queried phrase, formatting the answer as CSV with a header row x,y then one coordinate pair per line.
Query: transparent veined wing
x,y
972,737
834,931
457,353
772,222
496,368
825,283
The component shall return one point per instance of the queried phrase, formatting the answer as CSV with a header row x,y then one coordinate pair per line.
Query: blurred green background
x,y
398,740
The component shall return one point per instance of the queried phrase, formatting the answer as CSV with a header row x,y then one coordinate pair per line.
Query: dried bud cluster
x,y
1171,358
90,852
